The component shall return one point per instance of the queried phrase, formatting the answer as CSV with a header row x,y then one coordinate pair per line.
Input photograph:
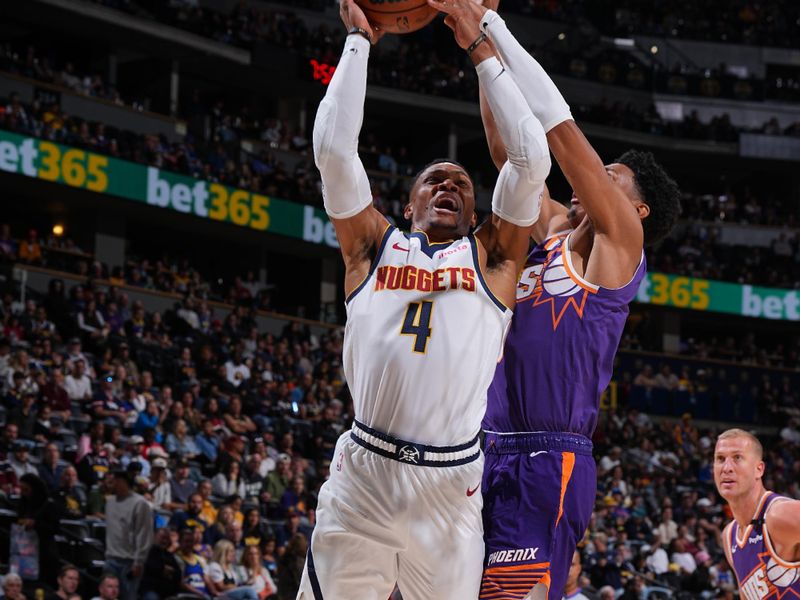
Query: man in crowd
x,y
129,534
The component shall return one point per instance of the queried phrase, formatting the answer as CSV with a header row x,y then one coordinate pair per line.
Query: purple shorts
x,y
538,495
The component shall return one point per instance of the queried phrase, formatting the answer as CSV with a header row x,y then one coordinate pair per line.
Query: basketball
x,y
399,16
781,576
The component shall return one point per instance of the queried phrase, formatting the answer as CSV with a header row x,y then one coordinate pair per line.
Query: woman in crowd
x,y
226,579
228,483
256,575
180,442
254,530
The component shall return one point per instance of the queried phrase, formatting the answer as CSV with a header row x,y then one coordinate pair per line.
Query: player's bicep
x,y
360,235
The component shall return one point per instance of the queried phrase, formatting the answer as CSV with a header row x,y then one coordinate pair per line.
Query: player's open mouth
x,y
574,200
446,203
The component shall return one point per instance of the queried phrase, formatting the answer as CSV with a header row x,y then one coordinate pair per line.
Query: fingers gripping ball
x,y
398,16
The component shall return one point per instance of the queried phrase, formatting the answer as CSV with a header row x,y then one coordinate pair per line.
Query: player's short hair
x,y
741,433
656,189
437,161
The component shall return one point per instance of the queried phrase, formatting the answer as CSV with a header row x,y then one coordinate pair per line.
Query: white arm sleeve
x,y
345,186
517,195
540,92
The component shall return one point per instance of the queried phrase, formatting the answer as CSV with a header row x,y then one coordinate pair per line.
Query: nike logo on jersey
x,y
397,246
470,492
535,454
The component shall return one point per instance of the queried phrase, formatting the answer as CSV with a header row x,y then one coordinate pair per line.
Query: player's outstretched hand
x,y
353,16
463,17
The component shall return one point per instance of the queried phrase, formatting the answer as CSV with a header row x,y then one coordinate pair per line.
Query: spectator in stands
x,y
51,469
254,529
94,466
30,251
291,566
20,459
279,479
69,578
109,587
12,587
181,486
8,247
209,512
70,497
92,325
161,577
36,511
78,384
226,580
160,490
55,395
193,568
191,517
217,530
180,442
129,534
236,371
253,480
8,439
256,575
296,498
236,421
207,440
229,482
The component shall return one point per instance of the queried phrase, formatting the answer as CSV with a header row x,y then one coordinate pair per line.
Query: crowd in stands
x,y
698,253
422,64
227,433
741,22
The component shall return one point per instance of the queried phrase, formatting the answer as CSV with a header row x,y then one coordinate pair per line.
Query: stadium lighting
x,y
624,42
653,49
562,36
58,230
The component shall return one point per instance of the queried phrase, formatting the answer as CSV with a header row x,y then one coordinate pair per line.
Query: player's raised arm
x,y
345,186
607,194
517,194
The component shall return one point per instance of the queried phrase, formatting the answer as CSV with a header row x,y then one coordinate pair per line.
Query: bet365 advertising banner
x,y
719,296
106,175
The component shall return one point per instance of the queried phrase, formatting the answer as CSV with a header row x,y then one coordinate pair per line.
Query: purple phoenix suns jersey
x,y
559,353
760,571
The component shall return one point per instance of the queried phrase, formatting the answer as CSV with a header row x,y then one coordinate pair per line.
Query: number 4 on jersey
x,y
417,322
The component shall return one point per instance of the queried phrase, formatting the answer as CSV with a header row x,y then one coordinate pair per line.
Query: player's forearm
x,y
346,190
539,91
496,148
517,195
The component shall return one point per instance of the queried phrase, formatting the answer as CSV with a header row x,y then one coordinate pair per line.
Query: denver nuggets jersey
x,y
760,571
422,339
559,355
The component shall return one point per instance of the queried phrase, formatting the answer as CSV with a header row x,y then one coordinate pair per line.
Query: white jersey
x,y
423,337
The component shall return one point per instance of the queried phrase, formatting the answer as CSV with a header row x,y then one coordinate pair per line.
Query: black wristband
x,y
362,32
478,41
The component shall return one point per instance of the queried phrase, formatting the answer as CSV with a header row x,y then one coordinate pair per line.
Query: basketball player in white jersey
x,y
426,316
762,542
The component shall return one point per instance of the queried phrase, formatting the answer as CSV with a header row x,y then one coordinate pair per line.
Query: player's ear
x,y
407,212
474,220
642,209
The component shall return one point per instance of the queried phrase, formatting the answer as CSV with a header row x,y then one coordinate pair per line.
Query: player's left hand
x,y
463,17
352,16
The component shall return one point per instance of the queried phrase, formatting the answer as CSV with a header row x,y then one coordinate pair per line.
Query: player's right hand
x,y
352,16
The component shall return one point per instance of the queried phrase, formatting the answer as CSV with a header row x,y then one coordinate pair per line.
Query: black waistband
x,y
413,453
540,441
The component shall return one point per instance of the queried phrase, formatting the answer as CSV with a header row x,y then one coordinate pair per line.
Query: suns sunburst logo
x,y
552,284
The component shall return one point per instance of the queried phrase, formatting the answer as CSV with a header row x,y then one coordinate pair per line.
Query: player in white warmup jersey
x,y
426,316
